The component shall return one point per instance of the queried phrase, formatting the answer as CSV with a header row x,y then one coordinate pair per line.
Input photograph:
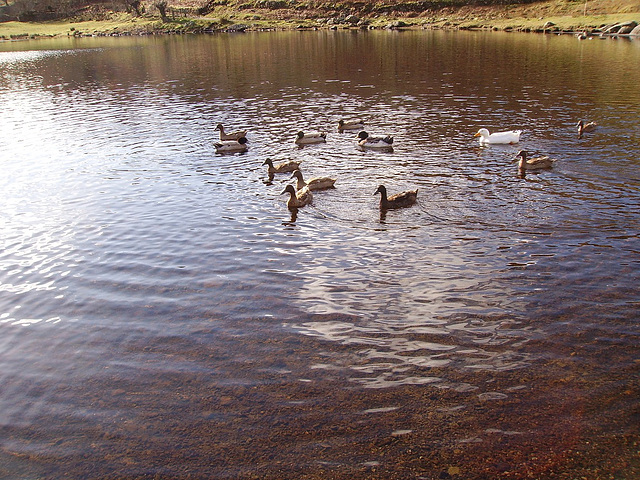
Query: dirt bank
x,y
187,16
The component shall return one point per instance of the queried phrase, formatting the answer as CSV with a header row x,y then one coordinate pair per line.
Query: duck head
x,y
243,140
381,190
297,174
483,132
522,154
289,189
269,162
363,135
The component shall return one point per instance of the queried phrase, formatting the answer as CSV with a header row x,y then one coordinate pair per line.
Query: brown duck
x,y
536,163
586,127
399,200
299,198
316,183
282,167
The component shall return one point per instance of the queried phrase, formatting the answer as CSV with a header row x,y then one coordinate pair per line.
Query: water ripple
x,y
145,277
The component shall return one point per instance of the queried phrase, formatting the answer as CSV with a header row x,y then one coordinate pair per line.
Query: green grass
x,y
70,28
562,23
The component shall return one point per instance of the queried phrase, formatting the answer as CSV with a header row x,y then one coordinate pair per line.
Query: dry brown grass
x,y
567,15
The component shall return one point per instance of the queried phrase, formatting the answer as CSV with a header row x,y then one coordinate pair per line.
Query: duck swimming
x,y
367,141
232,146
356,124
297,199
230,135
536,163
309,138
399,200
508,137
282,167
317,183
586,127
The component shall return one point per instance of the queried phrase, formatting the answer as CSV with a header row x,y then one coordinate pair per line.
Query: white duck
x,y
508,137
316,183
311,137
367,141
230,135
231,146
297,199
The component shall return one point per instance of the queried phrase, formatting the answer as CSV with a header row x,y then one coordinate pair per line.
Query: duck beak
x,y
477,135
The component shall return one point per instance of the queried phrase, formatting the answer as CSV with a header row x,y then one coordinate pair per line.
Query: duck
x,y
297,199
403,199
356,124
536,163
282,167
316,183
230,135
232,146
586,127
367,141
507,137
311,137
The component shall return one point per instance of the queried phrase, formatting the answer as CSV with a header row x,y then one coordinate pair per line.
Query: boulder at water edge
x,y
622,28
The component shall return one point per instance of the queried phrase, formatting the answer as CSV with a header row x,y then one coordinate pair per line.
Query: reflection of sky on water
x,y
411,313
387,355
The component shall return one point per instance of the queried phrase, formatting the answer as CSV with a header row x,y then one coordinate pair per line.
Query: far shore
x,y
552,17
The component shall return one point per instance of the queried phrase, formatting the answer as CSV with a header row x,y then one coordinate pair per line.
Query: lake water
x,y
164,315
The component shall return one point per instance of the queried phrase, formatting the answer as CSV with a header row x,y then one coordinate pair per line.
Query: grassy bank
x,y
183,17
120,23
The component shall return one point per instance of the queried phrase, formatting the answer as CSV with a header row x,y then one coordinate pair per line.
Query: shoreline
x,y
550,17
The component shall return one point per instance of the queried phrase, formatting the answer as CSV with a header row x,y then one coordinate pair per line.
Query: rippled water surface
x,y
164,315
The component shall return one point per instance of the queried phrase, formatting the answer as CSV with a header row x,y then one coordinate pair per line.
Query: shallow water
x,y
163,313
